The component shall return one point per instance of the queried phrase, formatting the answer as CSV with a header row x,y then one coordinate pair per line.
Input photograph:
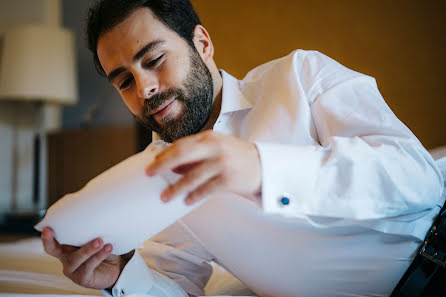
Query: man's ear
x,y
203,43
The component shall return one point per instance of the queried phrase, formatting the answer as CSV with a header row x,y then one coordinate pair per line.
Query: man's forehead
x,y
125,39
139,26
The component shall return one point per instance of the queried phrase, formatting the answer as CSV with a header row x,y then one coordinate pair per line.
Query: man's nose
x,y
147,86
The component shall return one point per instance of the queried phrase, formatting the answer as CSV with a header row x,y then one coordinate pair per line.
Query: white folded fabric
x,y
121,205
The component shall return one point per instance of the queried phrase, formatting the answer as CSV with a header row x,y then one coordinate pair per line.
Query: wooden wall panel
x,y
76,156
400,43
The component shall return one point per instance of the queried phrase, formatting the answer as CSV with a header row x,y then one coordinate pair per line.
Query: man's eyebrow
x,y
148,47
115,73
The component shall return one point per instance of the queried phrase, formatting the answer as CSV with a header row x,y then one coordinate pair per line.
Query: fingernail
x,y
165,195
108,248
96,243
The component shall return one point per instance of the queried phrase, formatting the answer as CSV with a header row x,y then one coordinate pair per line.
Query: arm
x,y
172,262
368,164
364,164
173,259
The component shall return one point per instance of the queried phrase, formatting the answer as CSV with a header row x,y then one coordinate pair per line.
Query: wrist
x,y
123,260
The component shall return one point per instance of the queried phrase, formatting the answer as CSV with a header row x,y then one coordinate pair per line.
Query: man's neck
x,y
215,112
216,103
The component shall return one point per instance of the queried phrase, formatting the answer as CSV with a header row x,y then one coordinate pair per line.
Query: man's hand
x,y
91,266
209,162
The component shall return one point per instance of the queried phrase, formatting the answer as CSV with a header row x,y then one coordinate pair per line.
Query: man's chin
x,y
166,125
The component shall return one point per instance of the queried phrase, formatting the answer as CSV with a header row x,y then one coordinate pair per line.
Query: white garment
x,y
362,190
89,213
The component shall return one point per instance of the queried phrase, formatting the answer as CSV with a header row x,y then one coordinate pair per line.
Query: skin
x,y
209,162
91,266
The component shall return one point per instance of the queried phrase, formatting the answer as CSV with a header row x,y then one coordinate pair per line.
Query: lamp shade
x,y
38,63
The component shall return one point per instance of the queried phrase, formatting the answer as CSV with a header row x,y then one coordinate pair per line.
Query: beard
x,y
196,95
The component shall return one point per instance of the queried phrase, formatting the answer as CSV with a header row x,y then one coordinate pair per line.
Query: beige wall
x,y
400,43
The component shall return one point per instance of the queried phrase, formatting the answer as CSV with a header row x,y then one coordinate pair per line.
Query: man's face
x,y
162,80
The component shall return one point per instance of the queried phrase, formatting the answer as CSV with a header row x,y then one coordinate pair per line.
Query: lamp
x,y
37,65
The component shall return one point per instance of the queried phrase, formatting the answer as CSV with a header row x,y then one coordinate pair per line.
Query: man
x,y
316,188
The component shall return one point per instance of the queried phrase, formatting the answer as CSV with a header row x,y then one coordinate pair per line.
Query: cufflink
x,y
284,201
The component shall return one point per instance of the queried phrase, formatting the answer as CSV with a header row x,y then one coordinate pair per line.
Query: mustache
x,y
158,99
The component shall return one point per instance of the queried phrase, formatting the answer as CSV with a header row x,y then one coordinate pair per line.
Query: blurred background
x,y
54,140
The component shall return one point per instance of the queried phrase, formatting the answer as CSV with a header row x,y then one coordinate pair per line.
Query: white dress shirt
x,y
348,192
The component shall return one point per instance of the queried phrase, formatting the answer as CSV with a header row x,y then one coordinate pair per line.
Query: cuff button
x,y
285,201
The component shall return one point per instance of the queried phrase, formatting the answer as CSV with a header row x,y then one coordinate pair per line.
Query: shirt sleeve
x,y
367,164
172,263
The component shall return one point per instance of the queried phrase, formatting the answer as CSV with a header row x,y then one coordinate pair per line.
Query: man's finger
x,y
68,249
74,260
50,245
195,177
204,190
94,261
185,168
182,152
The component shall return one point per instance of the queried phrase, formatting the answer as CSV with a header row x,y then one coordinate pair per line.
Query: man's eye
x,y
154,62
126,83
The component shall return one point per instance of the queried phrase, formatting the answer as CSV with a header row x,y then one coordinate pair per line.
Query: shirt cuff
x,y
289,175
136,277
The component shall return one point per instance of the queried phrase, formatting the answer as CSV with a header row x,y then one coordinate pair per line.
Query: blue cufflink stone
x,y
285,201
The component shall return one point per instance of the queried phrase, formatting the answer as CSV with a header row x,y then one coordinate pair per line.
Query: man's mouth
x,y
162,110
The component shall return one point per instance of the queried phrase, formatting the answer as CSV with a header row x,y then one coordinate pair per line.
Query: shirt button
x,y
285,201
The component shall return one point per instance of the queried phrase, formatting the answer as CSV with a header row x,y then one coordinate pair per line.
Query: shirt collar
x,y
232,97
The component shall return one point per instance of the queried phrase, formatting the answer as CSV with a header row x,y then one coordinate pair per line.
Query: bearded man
x,y
317,189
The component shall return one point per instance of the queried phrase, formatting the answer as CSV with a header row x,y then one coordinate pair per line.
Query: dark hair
x,y
178,15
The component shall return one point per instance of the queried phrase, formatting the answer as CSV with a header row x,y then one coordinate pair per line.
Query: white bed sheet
x,y
27,271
